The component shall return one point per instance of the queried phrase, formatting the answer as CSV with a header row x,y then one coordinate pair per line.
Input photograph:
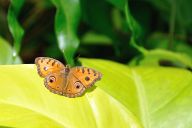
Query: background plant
x,y
126,29
141,35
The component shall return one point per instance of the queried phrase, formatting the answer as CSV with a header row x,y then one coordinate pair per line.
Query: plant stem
x,y
172,24
131,22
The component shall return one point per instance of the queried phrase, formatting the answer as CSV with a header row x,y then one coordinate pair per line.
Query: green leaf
x,y
153,58
94,38
6,53
96,13
125,97
4,127
120,4
161,40
183,11
66,23
14,26
131,23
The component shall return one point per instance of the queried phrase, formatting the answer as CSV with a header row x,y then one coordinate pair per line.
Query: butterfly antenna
x,y
78,63
76,58
67,66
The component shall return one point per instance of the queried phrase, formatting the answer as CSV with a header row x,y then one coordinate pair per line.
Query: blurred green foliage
x,y
119,30
144,33
14,26
6,53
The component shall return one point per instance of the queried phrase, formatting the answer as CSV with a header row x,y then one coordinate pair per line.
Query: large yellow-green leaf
x,y
125,97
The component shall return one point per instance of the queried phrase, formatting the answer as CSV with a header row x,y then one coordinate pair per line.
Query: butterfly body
x,y
63,80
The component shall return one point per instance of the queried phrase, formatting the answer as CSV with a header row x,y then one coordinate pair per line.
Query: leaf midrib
x,y
143,103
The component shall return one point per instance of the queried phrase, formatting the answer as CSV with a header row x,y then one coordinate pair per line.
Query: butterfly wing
x,y
56,82
86,76
46,65
74,87
64,84
64,81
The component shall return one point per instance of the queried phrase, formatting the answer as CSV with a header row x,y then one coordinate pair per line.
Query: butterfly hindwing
x,y
74,87
56,82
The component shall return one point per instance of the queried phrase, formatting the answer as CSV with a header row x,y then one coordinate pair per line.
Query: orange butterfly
x,y
60,79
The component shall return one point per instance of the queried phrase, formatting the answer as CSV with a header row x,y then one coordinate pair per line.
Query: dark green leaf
x,y
96,13
120,4
94,38
131,22
14,26
66,23
183,11
161,40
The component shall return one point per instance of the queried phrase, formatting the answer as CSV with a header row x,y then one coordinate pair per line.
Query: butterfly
x,y
63,80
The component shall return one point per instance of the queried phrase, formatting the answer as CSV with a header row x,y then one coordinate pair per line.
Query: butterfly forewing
x,y
46,65
87,76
